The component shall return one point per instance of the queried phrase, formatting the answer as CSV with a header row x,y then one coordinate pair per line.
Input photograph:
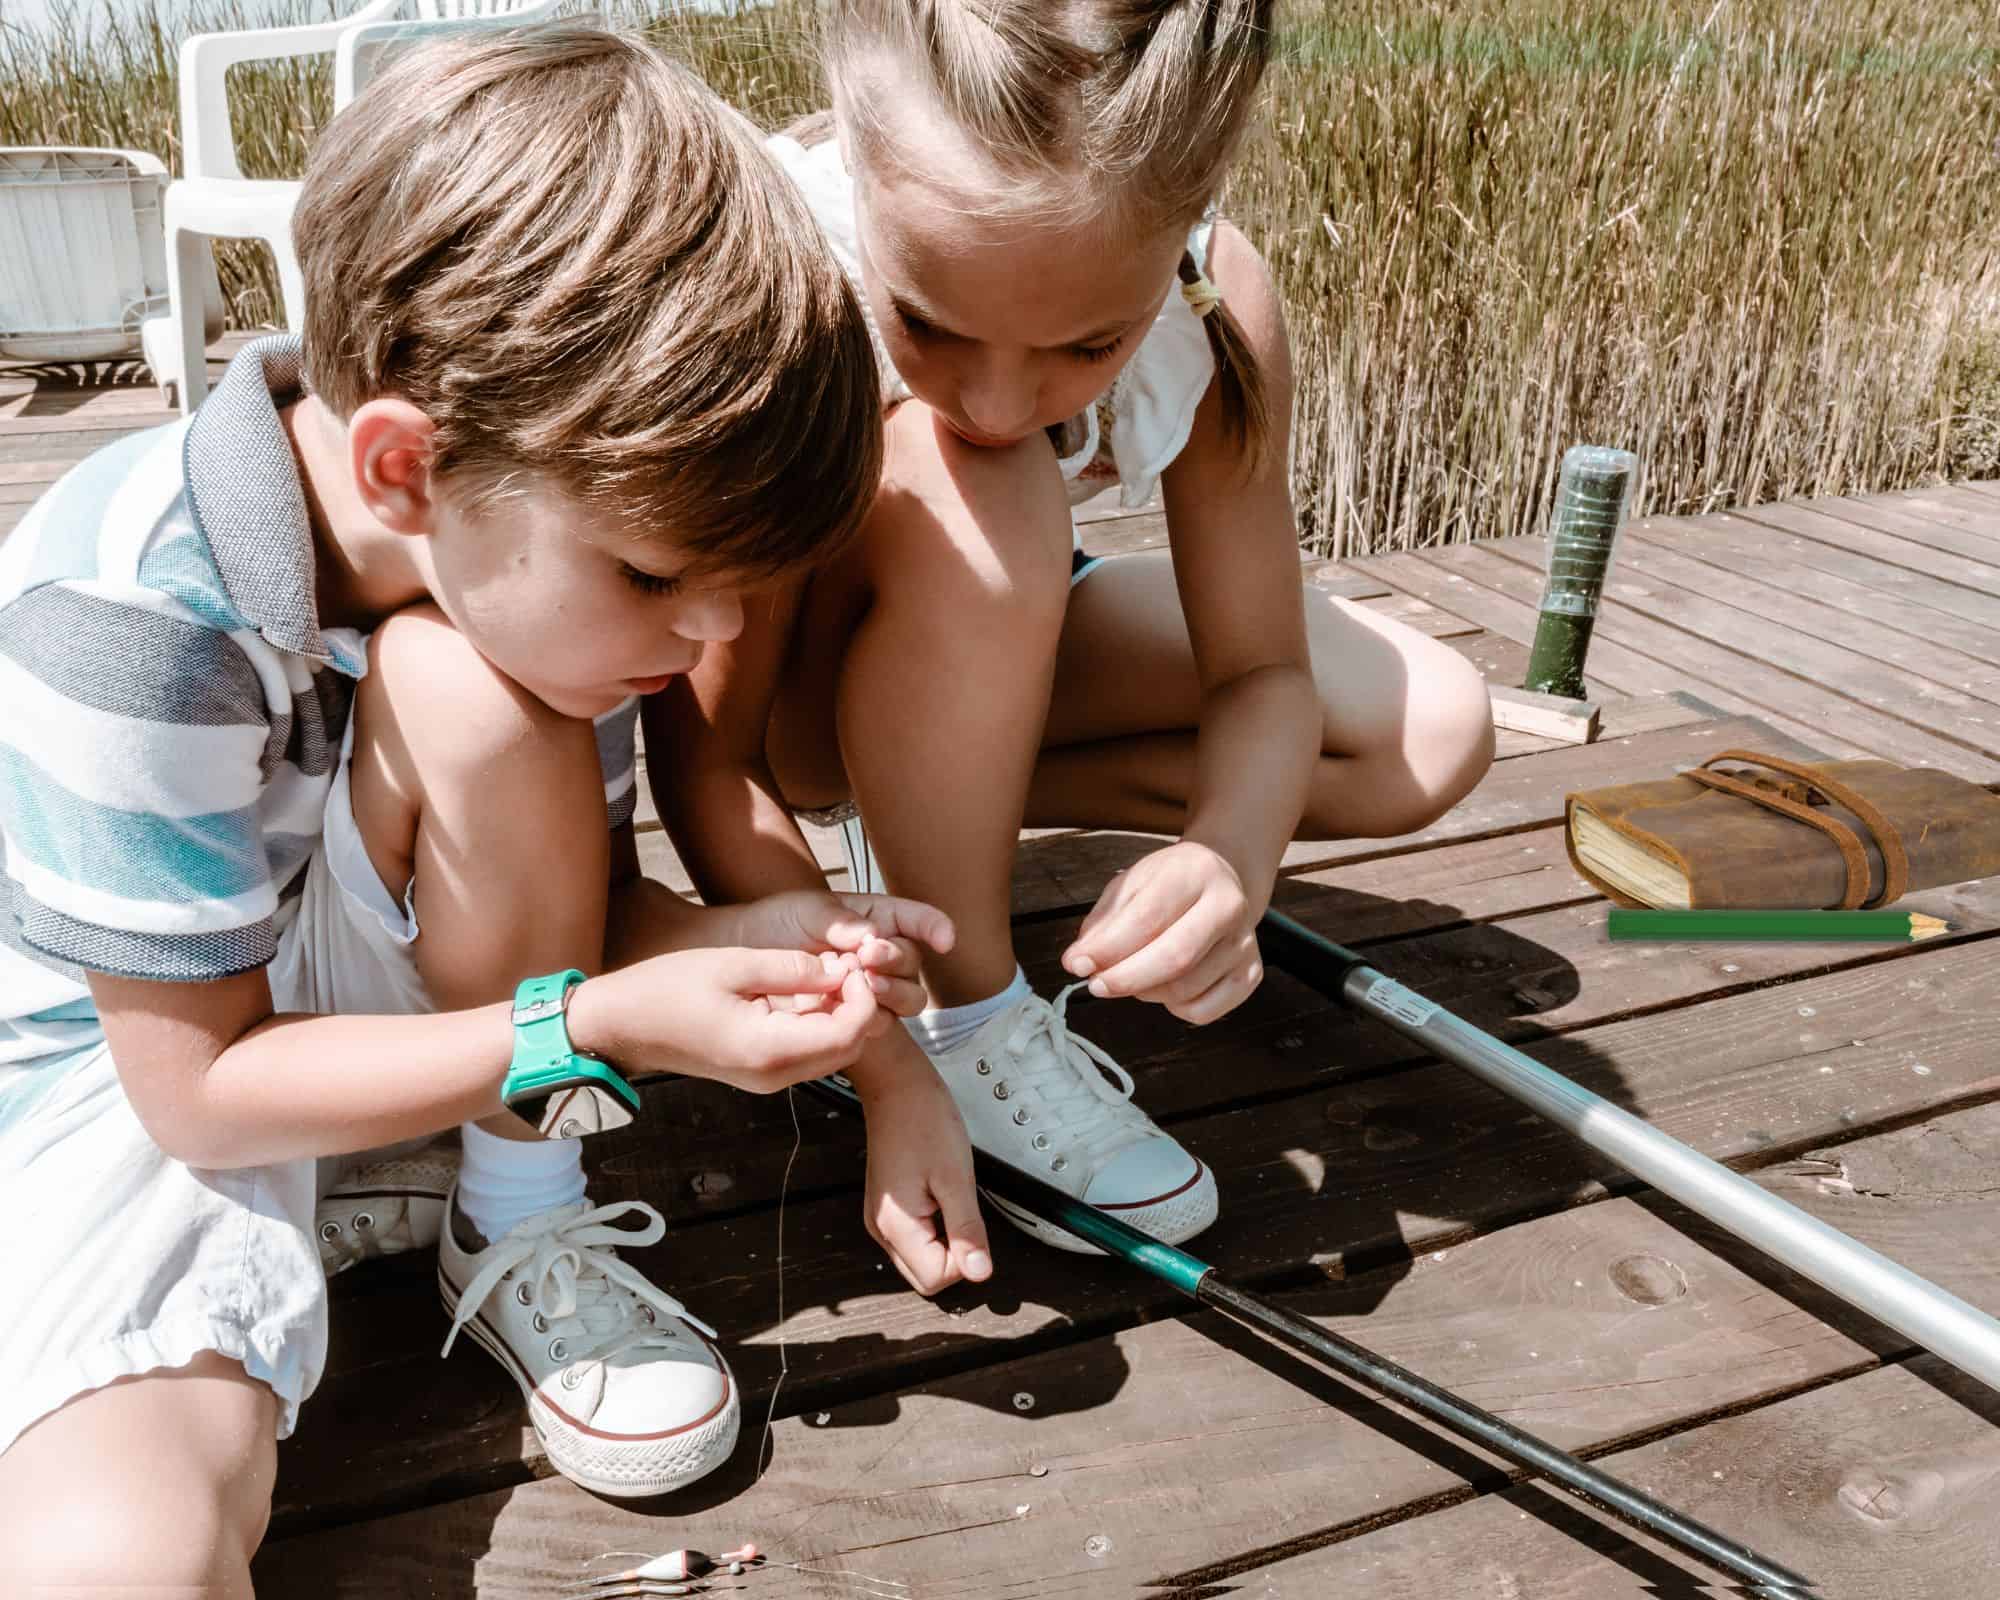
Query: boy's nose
x,y
715,617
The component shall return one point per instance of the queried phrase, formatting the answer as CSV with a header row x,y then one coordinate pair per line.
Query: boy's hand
x,y
1177,928
920,1204
760,1020
880,932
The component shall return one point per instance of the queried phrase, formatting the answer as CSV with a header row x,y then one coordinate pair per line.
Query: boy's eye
x,y
916,325
648,582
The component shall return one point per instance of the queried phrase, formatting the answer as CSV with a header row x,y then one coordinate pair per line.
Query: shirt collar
x,y
247,501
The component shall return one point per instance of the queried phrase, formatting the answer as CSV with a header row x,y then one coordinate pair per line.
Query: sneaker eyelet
x,y
1021,1117
524,1294
329,1231
1041,1141
558,1351
541,1323
981,1067
363,1221
1059,1163
570,1128
1000,1090
647,1313
571,1377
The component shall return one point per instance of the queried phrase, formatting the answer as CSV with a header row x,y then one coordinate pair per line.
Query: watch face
x,y
577,1109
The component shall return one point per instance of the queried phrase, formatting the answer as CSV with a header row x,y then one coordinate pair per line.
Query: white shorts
x,y
119,1260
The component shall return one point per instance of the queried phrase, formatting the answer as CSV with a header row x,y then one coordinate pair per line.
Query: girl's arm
x,y
1236,565
705,761
1179,927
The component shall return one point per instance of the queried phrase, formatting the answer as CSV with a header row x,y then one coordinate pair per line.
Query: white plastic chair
x,y
212,198
83,260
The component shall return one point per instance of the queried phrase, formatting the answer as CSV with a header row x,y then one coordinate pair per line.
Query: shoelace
x,y
576,1281
1067,1085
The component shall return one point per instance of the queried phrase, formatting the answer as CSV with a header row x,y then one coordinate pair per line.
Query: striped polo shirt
x,y
171,713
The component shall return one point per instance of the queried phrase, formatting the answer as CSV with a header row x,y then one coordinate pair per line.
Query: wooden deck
x,y
1071,1429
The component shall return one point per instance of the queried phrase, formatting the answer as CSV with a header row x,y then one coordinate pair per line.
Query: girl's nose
x,y
999,401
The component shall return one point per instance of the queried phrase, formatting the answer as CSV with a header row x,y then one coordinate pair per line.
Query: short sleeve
x,y
132,752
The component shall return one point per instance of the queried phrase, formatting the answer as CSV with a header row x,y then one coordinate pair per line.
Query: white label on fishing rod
x,y
1398,1004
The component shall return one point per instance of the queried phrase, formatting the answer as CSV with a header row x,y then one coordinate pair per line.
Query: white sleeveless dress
x,y
1137,426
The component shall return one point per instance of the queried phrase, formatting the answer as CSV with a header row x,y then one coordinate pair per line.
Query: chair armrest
x,y
208,149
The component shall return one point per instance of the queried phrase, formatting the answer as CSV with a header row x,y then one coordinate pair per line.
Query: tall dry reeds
x,y
1756,241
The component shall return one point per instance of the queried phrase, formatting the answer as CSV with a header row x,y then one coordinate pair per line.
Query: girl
x,y
1023,191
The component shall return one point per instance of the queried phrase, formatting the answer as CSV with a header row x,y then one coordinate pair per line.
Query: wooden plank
x,y
1921,607
1874,1487
1789,700
1962,506
1417,1160
1583,1327
1557,717
1915,555
67,446
1908,526
1925,683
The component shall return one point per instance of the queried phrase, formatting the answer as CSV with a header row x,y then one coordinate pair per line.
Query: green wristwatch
x,y
564,1093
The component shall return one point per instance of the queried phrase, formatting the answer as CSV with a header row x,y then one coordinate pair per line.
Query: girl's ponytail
x,y
1246,412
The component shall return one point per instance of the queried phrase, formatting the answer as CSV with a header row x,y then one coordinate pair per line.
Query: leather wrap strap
x,y
1797,800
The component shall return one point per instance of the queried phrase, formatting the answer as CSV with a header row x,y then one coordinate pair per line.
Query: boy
x,y
580,372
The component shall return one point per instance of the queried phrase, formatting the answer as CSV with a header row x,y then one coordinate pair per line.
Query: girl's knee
x,y
958,525
1426,762
433,715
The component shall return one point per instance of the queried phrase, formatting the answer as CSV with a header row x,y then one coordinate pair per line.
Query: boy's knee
x,y
163,1482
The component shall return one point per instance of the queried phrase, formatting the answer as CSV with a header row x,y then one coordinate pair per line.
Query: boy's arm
x,y
218,1080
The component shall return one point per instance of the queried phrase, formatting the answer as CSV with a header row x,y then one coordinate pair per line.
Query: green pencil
x,y
1876,926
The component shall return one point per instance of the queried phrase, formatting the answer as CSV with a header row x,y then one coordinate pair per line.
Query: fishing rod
x,y
1197,1279
1917,1308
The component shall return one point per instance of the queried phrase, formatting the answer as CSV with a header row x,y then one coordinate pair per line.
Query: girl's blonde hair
x,y
1124,112
583,266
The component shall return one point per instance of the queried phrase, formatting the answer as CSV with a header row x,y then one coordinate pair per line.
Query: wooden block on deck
x,y
1552,716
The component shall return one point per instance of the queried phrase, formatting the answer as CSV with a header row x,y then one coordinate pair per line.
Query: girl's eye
x,y
1102,352
648,582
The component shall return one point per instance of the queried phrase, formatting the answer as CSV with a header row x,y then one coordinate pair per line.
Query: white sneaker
x,y
385,1206
1037,1096
627,1393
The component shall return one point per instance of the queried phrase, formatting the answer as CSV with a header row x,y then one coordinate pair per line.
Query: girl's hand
x,y
759,1020
920,1205
880,932
1176,928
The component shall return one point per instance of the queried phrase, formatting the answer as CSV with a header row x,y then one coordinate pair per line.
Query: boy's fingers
x,y
897,958
768,972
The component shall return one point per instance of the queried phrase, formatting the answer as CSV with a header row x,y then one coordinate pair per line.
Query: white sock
x,y
506,1181
945,1028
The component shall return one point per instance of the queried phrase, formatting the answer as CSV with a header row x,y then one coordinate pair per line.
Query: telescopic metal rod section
x,y
1915,1307
1199,1280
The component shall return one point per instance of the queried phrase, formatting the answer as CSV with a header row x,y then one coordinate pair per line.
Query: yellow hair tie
x,y
1201,295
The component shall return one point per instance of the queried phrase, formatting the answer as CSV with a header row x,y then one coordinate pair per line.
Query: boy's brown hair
x,y
581,265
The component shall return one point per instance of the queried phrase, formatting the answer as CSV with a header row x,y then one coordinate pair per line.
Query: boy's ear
x,y
390,445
